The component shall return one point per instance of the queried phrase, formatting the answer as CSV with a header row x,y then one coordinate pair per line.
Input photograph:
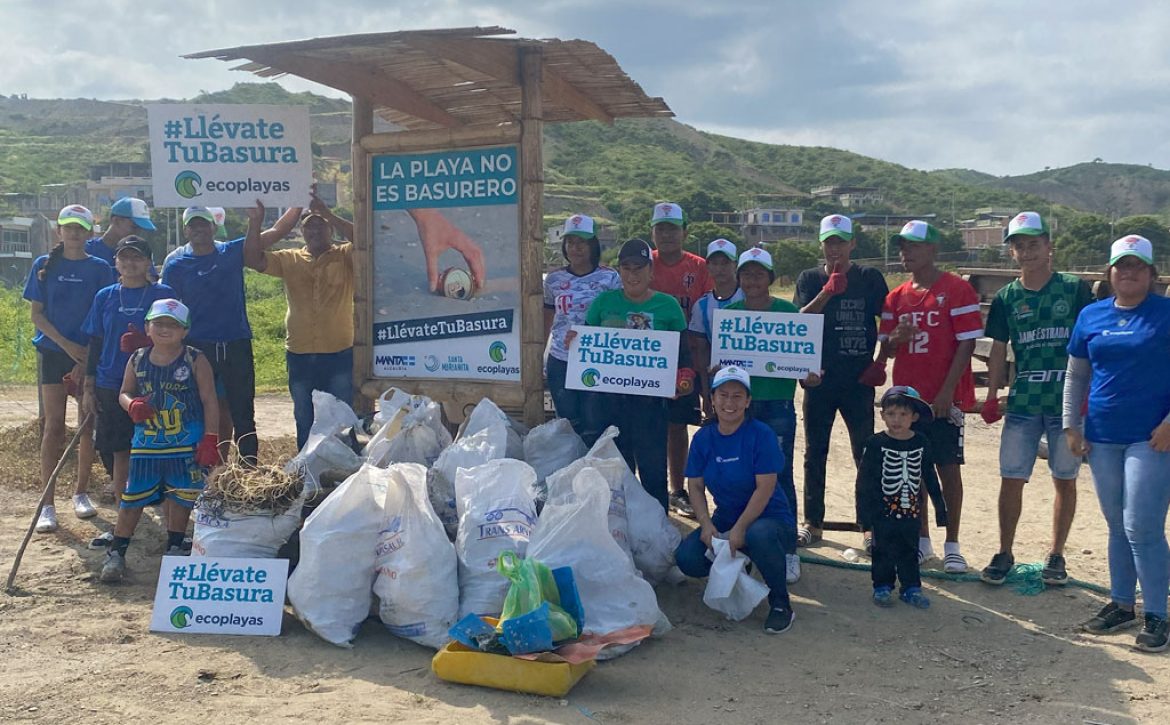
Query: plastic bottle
x,y
851,556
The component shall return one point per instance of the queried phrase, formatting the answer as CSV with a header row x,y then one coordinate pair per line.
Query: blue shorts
x,y
1020,442
152,478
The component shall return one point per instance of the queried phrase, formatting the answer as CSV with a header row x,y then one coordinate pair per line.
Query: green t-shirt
x,y
771,388
613,309
1038,324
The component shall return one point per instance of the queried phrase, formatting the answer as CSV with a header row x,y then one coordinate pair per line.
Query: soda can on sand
x,y
455,283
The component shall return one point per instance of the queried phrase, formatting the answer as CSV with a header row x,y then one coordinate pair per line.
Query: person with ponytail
x,y
61,287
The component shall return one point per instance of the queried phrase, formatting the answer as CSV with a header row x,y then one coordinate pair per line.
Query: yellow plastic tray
x,y
457,663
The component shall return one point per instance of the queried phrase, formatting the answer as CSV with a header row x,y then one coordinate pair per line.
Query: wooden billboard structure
x,y
455,89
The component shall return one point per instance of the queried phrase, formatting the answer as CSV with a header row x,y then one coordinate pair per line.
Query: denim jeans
x,y
780,416
642,420
821,404
330,372
764,544
1133,486
234,370
577,406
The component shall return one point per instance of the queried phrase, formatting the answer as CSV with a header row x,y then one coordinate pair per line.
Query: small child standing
x,y
168,390
895,467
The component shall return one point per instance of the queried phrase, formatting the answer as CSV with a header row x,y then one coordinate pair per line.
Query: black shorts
x,y
684,410
54,365
946,441
115,430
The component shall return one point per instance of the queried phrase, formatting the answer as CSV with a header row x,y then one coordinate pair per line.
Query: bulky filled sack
x,y
551,446
572,531
653,538
417,581
484,414
496,514
614,471
326,455
253,535
331,590
731,590
467,452
413,434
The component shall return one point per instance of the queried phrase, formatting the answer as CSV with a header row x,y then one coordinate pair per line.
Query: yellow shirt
x,y
320,297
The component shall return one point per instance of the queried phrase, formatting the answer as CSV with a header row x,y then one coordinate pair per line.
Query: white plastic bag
x,y
653,538
731,590
417,582
614,471
390,402
324,454
572,531
484,414
331,590
414,436
552,446
496,514
467,452
253,535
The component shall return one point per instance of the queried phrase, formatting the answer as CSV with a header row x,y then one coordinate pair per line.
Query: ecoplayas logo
x,y
590,377
181,617
188,183
184,617
498,351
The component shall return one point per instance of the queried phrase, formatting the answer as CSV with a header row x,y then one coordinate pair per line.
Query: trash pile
x,y
429,531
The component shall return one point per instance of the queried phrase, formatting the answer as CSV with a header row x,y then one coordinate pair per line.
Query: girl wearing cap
x,y
115,325
1118,353
737,459
568,292
61,286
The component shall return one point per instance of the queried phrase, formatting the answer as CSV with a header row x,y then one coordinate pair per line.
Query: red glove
x,y
72,387
133,339
837,282
874,375
141,410
991,412
207,452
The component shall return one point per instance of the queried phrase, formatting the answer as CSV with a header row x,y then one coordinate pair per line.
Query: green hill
x,y
1120,189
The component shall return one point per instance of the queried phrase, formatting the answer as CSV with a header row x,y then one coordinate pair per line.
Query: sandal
x,y
806,537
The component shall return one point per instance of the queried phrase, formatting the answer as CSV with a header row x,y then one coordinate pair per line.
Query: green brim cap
x,y
918,231
1027,223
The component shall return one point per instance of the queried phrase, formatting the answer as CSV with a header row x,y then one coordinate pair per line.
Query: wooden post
x,y
531,233
363,283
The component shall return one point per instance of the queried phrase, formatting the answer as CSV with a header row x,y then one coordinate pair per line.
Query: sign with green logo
x,y
208,595
619,360
768,344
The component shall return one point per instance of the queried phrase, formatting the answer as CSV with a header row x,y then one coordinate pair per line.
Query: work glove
x,y
207,452
837,282
990,411
133,339
874,375
141,410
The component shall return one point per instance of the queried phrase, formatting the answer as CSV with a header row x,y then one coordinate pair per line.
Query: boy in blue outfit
x,y
896,465
168,390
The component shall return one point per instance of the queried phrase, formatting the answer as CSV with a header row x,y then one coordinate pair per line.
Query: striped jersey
x,y
178,425
945,315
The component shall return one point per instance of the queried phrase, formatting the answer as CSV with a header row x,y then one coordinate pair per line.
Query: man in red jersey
x,y
683,276
929,326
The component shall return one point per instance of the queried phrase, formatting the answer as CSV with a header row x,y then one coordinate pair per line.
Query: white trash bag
x,y
467,452
614,471
551,446
331,590
242,535
487,412
496,514
325,455
572,531
414,434
731,590
418,581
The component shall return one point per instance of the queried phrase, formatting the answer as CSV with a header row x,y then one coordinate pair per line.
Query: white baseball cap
x,y
730,373
1131,246
579,225
837,225
134,209
668,212
75,214
757,255
1027,223
171,308
722,246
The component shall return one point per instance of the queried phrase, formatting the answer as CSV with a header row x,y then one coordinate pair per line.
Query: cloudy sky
x,y
1006,87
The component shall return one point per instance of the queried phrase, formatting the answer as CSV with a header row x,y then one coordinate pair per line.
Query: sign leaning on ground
x,y
456,215
209,595
621,360
230,155
768,344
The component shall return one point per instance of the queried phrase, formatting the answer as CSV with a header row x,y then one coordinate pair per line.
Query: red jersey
x,y
686,280
946,314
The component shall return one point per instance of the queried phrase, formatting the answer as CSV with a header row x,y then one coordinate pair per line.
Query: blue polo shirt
x,y
212,287
728,465
66,294
114,309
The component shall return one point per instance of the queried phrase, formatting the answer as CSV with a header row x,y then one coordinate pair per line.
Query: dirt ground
x,y
74,649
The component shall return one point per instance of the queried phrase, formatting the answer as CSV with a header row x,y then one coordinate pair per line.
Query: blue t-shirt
x,y
728,465
1130,391
212,287
66,293
114,309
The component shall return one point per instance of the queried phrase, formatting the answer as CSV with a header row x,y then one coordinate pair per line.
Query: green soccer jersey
x,y
1037,324
613,309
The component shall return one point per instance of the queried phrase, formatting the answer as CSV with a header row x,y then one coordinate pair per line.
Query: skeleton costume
x,y
890,484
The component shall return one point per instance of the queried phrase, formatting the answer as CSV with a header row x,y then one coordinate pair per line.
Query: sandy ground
x,y
76,650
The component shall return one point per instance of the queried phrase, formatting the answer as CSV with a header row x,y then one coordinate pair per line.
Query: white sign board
x,y
768,344
230,155
621,360
210,595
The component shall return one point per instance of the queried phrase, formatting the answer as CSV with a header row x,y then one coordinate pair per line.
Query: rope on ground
x,y
1024,578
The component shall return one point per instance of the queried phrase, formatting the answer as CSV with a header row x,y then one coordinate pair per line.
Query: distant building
x,y
987,229
22,239
760,224
849,197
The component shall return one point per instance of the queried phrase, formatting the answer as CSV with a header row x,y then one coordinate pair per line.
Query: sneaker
x,y
883,596
1110,619
915,598
114,568
102,541
805,536
83,507
925,552
792,568
954,562
999,568
47,521
1053,572
681,503
1155,635
867,544
779,620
